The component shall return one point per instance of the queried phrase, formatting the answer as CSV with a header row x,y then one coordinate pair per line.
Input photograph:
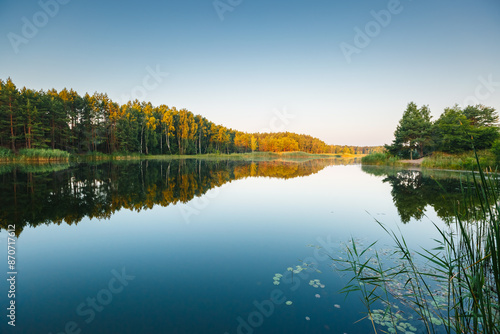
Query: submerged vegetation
x,y
452,288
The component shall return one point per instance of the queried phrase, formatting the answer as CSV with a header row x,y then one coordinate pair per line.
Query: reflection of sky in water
x,y
201,274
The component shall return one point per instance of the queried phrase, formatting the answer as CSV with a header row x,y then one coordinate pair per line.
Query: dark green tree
x,y
9,111
457,130
414,132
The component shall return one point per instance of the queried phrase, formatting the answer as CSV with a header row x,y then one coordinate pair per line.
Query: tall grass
x,y
38,154
456,290
93,156
462,161
379,159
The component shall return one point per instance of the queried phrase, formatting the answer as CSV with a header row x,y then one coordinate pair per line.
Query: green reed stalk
x,y
466,261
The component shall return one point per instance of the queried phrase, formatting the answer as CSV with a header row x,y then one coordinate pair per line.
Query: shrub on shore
x,y
5,153
379,159
42,154
462,161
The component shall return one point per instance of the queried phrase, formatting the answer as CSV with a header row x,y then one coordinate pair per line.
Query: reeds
x,y
463,161
452,288
38,154
379,159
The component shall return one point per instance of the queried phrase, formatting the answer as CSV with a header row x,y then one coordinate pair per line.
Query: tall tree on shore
x,y
9,100
166,125
413,131
253,144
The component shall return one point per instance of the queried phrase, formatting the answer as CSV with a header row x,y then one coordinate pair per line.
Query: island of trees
x,y
64,120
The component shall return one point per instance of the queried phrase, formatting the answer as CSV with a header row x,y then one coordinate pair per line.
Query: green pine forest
x,y
64,120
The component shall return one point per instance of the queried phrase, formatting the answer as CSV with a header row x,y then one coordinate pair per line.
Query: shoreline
x,y
255,156
442,161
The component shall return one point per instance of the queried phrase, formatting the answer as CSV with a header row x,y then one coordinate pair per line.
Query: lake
x,y
203,246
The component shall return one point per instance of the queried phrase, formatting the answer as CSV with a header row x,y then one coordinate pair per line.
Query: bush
x,y
43,154
378,159
463,161
5,153
495,149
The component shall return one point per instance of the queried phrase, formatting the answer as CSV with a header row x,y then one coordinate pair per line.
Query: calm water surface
x,y
193,246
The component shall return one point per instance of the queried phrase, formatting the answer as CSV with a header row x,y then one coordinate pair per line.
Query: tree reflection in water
x,y
32,195
413,190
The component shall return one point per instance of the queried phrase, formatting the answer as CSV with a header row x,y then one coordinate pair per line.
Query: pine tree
x,y
413,131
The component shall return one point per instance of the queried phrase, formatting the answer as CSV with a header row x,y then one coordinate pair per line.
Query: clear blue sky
x,y
264,56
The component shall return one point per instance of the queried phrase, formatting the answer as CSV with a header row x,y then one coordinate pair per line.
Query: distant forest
x,y
94,123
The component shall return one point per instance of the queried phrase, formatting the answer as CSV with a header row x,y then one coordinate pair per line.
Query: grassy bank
x,y
380,159
438,160
34,155
462,161
255,156
48,155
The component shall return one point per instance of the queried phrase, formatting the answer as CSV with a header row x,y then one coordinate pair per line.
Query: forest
x,y
64,120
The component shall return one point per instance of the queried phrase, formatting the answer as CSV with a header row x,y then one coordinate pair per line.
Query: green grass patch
x,y
5,153
41,155
38,154
462,161
379,159
255,156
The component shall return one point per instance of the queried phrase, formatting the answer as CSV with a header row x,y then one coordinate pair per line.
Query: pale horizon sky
x,y
262,58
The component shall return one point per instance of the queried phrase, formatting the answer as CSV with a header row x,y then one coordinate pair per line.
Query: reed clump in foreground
x,y
452,288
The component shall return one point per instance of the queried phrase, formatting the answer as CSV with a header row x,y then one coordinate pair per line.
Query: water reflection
x,y
413,190
33,195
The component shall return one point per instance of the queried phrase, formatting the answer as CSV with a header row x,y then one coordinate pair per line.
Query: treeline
x,y
67,121
456,130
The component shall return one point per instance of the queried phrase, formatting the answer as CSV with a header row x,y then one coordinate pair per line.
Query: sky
x,y
342,71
